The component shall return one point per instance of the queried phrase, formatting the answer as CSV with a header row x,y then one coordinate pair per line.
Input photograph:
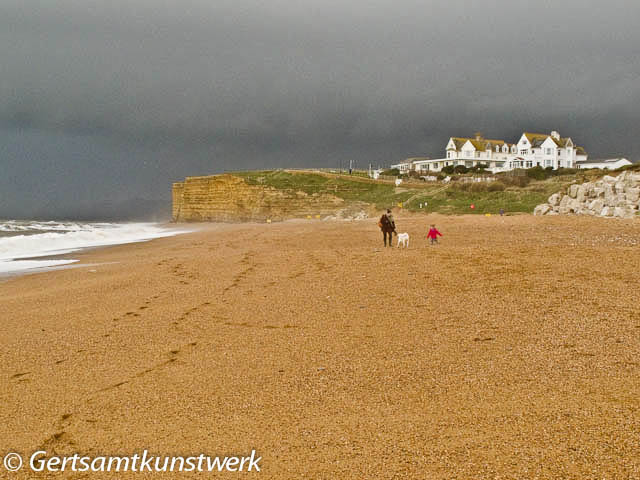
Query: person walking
x,y
433,234
388,226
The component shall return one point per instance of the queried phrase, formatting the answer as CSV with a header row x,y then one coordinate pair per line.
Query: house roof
x,y
537,139
481,144
606,160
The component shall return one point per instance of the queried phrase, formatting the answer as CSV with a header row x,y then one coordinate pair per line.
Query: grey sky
x,y
104,103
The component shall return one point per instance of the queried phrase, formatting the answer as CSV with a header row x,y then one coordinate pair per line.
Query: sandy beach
x,y
510,350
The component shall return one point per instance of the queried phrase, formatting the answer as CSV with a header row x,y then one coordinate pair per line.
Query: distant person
x,y
388,226
433,234
501,212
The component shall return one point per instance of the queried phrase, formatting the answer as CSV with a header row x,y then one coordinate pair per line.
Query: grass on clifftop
x,y
441,198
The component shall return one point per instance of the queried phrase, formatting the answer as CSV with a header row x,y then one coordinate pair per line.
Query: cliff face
x,y
227,198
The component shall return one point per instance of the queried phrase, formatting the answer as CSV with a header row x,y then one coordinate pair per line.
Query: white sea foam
x,y
63,238
25,265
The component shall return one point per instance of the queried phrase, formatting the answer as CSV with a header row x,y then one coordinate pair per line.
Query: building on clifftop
x,y
531,150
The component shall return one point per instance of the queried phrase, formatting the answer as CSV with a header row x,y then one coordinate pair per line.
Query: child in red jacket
x,y
433,234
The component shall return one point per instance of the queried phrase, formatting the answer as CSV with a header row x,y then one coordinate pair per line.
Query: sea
x,y
29,246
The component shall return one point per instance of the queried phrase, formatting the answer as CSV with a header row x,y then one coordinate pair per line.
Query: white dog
x,y
403,238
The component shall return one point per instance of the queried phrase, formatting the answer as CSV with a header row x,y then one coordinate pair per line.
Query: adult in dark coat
x,y
388,227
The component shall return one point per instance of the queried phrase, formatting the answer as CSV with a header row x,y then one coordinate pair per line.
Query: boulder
x,y
609,179
610,198
554,200
542,209
589,188
633,194
572,191
606,211
574,205
623,212
596,205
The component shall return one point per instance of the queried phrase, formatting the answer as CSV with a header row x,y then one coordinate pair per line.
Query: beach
x,y
509,350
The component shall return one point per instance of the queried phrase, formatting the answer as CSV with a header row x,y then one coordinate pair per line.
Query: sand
x,y
510,350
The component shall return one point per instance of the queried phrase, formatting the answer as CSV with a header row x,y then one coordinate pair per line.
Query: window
x,y
547,162
468,164
529,164
524,151
448,154
548,151
477,154
497,148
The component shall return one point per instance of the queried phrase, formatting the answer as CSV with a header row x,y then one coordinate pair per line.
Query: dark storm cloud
x,y
126,96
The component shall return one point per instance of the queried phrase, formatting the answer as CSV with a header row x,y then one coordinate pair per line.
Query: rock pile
x,y
608,197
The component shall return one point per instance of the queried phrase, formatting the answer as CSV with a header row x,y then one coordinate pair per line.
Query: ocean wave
x,y
62,238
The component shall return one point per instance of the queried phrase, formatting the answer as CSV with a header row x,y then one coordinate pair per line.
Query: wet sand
x,y
510,350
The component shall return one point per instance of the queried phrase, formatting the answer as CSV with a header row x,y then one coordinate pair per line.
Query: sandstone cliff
x,y
229,198
608,197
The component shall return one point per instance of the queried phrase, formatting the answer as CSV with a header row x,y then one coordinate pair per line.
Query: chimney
x,y
555,135
478,135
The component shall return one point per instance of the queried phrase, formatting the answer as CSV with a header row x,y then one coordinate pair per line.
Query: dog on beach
x,y
403,238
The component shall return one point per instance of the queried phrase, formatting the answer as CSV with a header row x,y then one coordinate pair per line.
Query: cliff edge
x,y
232,198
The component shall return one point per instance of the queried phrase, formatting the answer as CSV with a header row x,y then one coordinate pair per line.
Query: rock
x,y
623,212
619,187
554,200
574,205
596,205
542,209
581,193
609,179
633,194
606,211
572,191
564,204
610,198
589,188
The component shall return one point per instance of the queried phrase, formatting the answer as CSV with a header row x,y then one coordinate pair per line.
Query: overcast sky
x,y
104,103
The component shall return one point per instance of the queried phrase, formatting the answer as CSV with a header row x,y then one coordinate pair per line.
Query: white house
x,y
608,164
409,164
532,149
